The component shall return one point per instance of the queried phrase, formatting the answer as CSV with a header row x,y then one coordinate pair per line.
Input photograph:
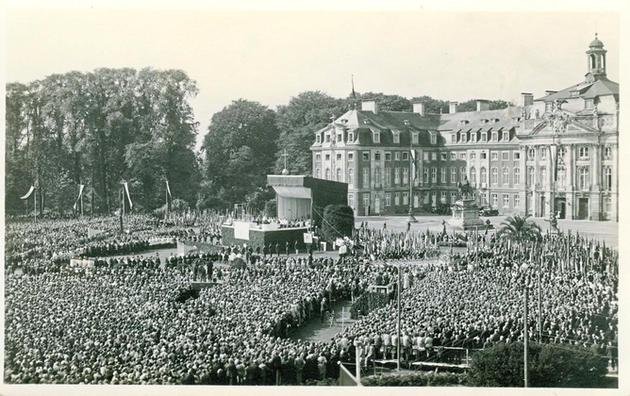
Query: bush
x,y
416,379
338,222
550,365
271,208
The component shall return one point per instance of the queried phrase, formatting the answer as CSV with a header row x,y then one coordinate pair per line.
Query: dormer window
x,y
350,137
327,138
376,137
495,136
485,120
496,120
506,136
484,136
396,136
575,93
414,137
339,137
433,138
318,139
589,103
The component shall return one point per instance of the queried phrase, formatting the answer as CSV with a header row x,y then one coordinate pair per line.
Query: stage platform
x,y
261,235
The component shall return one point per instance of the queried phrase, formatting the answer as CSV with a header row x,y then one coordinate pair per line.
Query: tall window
x,y
562,176
443,175
543,153
607,178
396,176
543,176
583,152
531,154
396,135
350,176
405,198
506,177
530,176
495,200
366,177
396,199
583,178
388,199
494,177
517,175
483,175
405,176
339,177
433,138
414,138
425,176
473,176
453,175
327,174
607,152
506,200
462,174
517,200
377,177
318,173
351,200
433,175
366,200
387,177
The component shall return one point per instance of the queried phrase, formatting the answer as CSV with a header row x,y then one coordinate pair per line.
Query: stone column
x,y
596,194
537,182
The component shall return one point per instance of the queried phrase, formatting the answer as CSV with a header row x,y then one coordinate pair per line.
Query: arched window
x,y
339,177
494,177
318,173
462,174
327,177
473,176
592,61
483,175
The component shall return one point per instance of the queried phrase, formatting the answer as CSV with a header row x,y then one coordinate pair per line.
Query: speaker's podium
x,y
300,202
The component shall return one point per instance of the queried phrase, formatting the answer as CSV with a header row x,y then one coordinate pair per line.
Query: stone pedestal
x,y
465,215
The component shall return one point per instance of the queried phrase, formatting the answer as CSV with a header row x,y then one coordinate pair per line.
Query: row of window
x,y
401,176
474,137
402,198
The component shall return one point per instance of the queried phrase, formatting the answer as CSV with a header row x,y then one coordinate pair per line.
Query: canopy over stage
x,y
300,202
301,197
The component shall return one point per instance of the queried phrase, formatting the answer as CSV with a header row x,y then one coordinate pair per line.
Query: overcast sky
x,y
270,57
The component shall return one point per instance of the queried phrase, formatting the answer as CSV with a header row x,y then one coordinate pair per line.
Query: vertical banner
x,y
128,196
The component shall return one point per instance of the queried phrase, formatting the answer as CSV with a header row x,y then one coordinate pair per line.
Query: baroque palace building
x,y
557,152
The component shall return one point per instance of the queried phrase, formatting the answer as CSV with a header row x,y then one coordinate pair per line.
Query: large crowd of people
x,y
122,321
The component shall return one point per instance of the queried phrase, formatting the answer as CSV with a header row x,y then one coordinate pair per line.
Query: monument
x,y
465,212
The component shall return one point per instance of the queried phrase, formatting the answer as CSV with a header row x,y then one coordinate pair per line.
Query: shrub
x,y
338,222
271,208
415,379
550,365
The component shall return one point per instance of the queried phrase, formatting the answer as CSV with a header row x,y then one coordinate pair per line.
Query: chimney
x,y
483,104
528,98
549,92
452,107
418,108
369,105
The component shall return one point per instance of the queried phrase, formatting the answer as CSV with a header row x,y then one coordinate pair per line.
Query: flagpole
x,y
81,202
166,196
35,203
411,218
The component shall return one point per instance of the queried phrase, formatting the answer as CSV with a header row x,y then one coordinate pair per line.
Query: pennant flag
x,y
81,186
128,196
28,194
413,164
168,190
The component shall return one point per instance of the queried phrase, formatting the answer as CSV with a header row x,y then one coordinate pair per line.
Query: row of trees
x,y
102,127
97,129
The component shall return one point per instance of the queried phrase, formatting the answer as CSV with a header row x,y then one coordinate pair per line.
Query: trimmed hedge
x,y
416,379
550,365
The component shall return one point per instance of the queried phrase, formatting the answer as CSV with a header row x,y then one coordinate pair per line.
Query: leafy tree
x,y
297,122
432,106
519,229
384,101
239,147
337,222
471,105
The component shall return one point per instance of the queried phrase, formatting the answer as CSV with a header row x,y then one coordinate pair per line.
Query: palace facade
x,y
556,152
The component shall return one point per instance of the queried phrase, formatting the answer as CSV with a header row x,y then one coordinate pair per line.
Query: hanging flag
x,y
81,186
168,190
28,194
413,164
128,196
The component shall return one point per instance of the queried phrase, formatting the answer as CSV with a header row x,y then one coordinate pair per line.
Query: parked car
x,y
488,212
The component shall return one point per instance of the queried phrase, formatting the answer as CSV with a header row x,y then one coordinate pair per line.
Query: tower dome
x,y
596,60
596,43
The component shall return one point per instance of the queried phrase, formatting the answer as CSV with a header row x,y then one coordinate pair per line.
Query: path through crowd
x,y
317,331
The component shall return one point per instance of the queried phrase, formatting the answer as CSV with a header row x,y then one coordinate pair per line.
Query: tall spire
x,y
354,94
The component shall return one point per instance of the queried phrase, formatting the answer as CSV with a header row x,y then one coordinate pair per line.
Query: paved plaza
x,y
605,231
